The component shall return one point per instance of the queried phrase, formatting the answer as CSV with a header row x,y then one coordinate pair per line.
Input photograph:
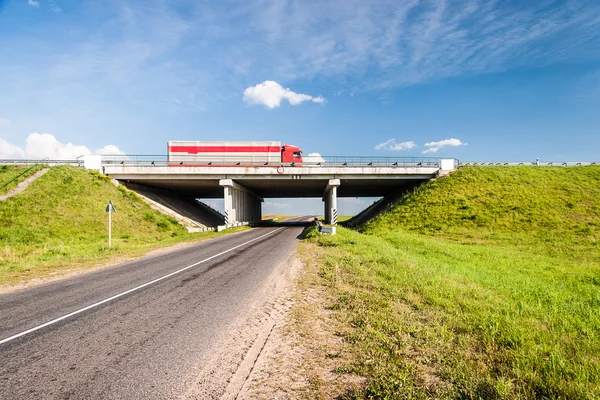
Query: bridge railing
x,y
527,163
76,163
321,161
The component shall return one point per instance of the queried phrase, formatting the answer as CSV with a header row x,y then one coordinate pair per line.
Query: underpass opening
x,y
281,207
239,194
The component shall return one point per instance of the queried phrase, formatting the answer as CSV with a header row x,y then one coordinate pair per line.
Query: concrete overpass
x,y
244,187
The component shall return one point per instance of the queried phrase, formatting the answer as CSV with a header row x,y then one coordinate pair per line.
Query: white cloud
x,y
392,145
33,3
42,145
313,158
271,93
10,151
433,147
45,145
110,149
138,52
53,6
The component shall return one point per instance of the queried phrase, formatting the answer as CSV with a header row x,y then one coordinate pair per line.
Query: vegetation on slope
x,y
12,175
509,205
484,284
60,222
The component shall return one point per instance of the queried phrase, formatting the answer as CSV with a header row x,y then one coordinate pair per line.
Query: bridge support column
x,y
330,200
241,204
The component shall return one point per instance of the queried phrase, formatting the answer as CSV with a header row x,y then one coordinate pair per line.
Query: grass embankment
x,y
9,172
484,284
60,223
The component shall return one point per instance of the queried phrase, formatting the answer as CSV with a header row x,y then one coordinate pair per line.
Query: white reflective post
x,y
110,209
109,229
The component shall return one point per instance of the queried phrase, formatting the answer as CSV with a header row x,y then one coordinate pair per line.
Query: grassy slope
x,y
60,222
8,172
485,284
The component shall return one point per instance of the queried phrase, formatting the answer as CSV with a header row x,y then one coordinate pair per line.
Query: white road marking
x,y
18,335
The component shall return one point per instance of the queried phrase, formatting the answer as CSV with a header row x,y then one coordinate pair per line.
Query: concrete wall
x,y
188,211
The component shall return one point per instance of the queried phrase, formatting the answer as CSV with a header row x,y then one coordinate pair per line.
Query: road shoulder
x,y
303,356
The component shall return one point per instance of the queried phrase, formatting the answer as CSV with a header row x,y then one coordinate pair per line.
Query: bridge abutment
x,y
240,203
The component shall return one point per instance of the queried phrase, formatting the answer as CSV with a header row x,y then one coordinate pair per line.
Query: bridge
x,y
244,186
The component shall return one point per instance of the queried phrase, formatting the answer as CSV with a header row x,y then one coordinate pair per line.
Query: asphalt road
x,y
148,343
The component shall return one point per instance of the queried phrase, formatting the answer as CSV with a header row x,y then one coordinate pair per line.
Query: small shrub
x,y
149,216
163,225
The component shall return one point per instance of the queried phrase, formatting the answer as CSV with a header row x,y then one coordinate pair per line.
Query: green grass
x,y
60,223
484,284
516,205
9,172
340,218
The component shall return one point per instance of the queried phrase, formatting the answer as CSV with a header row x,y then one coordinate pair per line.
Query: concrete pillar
x,y
330,200
240,203
333,205
228,205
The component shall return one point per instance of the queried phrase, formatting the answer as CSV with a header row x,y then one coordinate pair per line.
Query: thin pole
x,y
109,228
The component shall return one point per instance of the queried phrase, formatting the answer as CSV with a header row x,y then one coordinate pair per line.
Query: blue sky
x,y
507,80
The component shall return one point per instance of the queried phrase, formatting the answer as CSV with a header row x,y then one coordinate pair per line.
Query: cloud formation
x,y
110,149
433,147
45,145
189,54
42,145
33,3
271,93
10,151
394,146
313,158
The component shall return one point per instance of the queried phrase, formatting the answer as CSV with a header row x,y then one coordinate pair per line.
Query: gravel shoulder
x,y
302,355
230,372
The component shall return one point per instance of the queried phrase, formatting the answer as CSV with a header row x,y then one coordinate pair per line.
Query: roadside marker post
x,y
110,209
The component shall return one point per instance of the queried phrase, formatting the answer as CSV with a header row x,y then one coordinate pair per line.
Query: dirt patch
x,y
304,355
227,373
23,185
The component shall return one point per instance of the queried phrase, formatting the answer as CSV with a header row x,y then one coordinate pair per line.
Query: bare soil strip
x,y
227,374
303,356
24,185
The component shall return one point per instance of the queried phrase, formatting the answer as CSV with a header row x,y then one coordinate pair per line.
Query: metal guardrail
x,y
77,163
528,163
326,161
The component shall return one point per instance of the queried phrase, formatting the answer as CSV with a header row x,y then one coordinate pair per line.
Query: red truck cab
x,y
291,154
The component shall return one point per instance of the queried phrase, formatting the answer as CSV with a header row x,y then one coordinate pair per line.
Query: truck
x,y
181,153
